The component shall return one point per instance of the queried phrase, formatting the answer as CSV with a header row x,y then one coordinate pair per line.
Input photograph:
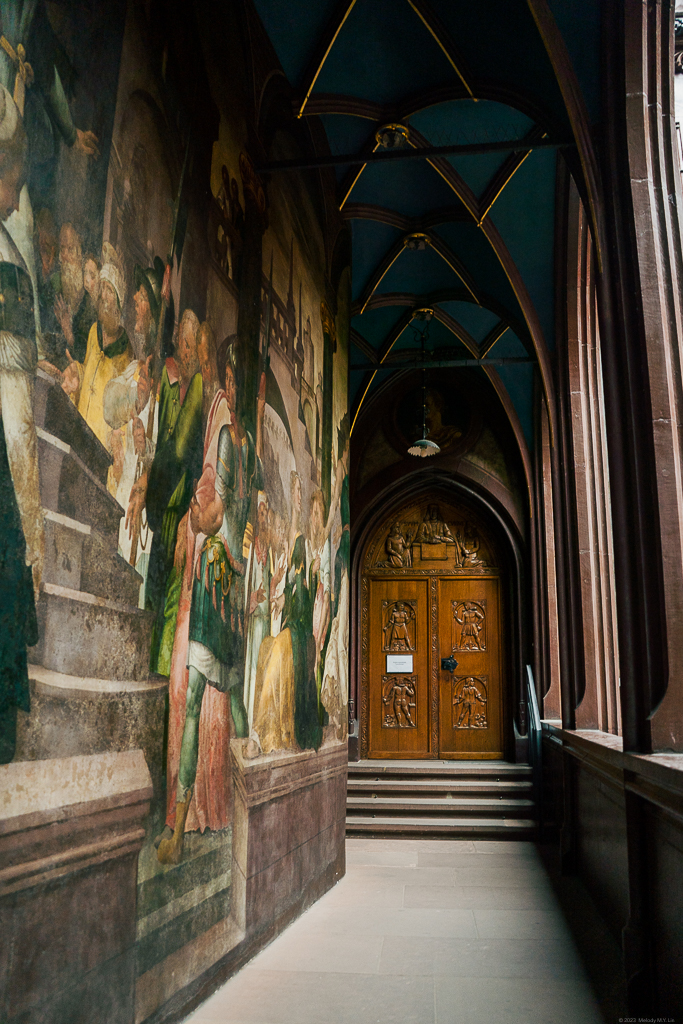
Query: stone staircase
x,y
89,678
455,799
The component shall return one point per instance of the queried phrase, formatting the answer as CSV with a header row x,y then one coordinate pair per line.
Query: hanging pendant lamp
x,y
424,447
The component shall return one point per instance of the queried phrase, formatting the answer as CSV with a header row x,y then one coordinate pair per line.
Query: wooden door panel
x,y
398,626
470,698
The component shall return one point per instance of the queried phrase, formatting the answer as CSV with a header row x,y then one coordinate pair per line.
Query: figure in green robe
x,y
216,636
298,618
167,489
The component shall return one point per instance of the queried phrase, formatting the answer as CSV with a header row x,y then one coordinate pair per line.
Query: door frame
x,y
451,489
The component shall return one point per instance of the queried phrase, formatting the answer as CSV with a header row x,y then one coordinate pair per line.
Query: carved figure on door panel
x,y
399,625
469,703
469,543
469,621
433,529
399,699
398,548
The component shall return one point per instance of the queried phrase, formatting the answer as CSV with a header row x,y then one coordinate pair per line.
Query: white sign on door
x,y
399,663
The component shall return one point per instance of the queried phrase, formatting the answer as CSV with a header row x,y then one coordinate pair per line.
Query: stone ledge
x,y
58,684
70,833
36,793
657,778
58,817
82,596
270,776
74,715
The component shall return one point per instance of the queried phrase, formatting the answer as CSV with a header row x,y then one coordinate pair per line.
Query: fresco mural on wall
x,y
176,500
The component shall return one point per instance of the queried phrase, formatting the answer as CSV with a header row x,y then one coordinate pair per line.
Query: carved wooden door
x,y
470,697
430,591
399,666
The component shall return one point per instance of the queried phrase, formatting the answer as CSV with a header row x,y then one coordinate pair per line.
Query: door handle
x,y
449,664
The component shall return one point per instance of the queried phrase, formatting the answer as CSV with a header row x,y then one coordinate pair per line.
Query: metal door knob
x,y
449,664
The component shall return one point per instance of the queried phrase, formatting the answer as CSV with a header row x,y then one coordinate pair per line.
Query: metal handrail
x,y
535,734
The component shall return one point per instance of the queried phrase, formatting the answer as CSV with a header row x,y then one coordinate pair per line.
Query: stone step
x,y
78,557
442,805
422,787
84,635
69,487
57,415
385,769
454,828
80,715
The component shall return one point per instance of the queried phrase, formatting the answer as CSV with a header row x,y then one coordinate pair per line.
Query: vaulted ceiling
x,y
469,234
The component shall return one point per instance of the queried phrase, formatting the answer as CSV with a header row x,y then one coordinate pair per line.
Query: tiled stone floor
x,y
420,932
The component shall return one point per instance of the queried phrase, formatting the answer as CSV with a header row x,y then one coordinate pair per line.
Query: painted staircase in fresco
x,y
89,673
456,799
90,685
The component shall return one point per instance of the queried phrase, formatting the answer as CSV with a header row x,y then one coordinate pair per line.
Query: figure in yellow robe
x,y
101,364
107,354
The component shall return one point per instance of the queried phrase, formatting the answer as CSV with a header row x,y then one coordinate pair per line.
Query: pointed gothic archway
x,y
438,573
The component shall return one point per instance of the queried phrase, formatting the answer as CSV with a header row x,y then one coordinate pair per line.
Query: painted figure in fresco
x,y
126,410
108,350
340,496
35,68
318,562
229,237
216,633
209,808
257,599
47,277
278,532
91,277
166,489
21,514
443,434
298,618
74,309
334,692
285,696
